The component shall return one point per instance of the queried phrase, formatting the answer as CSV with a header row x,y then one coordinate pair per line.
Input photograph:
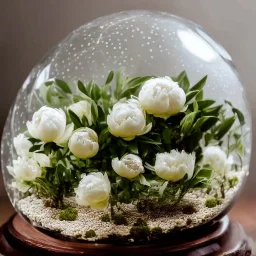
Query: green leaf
x,y
202,104
133,146
200,95
110,77
238,112
47,148
95,92
75,119
187,122
119,84
143,180
104,134
239,115
35,148
63,85
146,140
214,111
94,110
167,136
48,83
201,178
183,81
77,98
240,149
133,84
180,77
84,121
190,95
205,173
89,89
81,87
225,126
195,106
199,86
205,123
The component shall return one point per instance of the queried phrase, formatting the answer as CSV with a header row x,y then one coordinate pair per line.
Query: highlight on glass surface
x,y
134,126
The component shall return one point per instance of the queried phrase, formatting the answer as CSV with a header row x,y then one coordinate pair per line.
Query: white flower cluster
x,y
161,97
217,159
28,165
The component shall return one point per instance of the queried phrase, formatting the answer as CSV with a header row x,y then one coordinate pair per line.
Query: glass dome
x,y
86,171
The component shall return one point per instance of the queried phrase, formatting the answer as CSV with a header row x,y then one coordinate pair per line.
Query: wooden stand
x,y
19,238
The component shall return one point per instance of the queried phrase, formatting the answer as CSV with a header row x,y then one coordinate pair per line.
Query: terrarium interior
x,y
133,126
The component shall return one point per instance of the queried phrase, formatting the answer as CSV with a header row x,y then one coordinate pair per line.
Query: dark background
x,y
29,28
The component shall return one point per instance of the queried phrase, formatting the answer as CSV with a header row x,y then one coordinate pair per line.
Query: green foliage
x,y
211,202
69,214
233,181
140,230
105,218
119,219
156,233
201,123
90,233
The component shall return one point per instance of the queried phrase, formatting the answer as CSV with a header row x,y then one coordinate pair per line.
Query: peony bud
x,y
162,97
127,120
216,158
128,166
82,108
93,190
22,145
25,169
84,143
175,165
49,124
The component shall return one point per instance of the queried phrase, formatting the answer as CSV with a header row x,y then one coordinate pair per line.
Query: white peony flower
x,y
162,97
82,108
22,145
25,169
128,166
175,165
94,191
127,120
49,124
84,143
216,158
42,159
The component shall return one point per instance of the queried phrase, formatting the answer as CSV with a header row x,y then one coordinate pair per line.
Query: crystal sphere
x,y
138,44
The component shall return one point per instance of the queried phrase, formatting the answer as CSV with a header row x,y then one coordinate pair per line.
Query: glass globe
x,y
135,44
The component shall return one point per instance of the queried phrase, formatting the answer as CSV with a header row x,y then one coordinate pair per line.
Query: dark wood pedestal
x,y
18,238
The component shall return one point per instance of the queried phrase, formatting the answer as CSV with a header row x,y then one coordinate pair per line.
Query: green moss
x,y
69,214
233,181
119,219
90,233
78,236
211,202
105,218
140,222
156,232
140,232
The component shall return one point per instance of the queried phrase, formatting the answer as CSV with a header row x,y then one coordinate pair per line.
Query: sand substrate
x,y
48,218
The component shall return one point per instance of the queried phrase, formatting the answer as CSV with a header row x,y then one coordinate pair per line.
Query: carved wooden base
x,y
19,238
